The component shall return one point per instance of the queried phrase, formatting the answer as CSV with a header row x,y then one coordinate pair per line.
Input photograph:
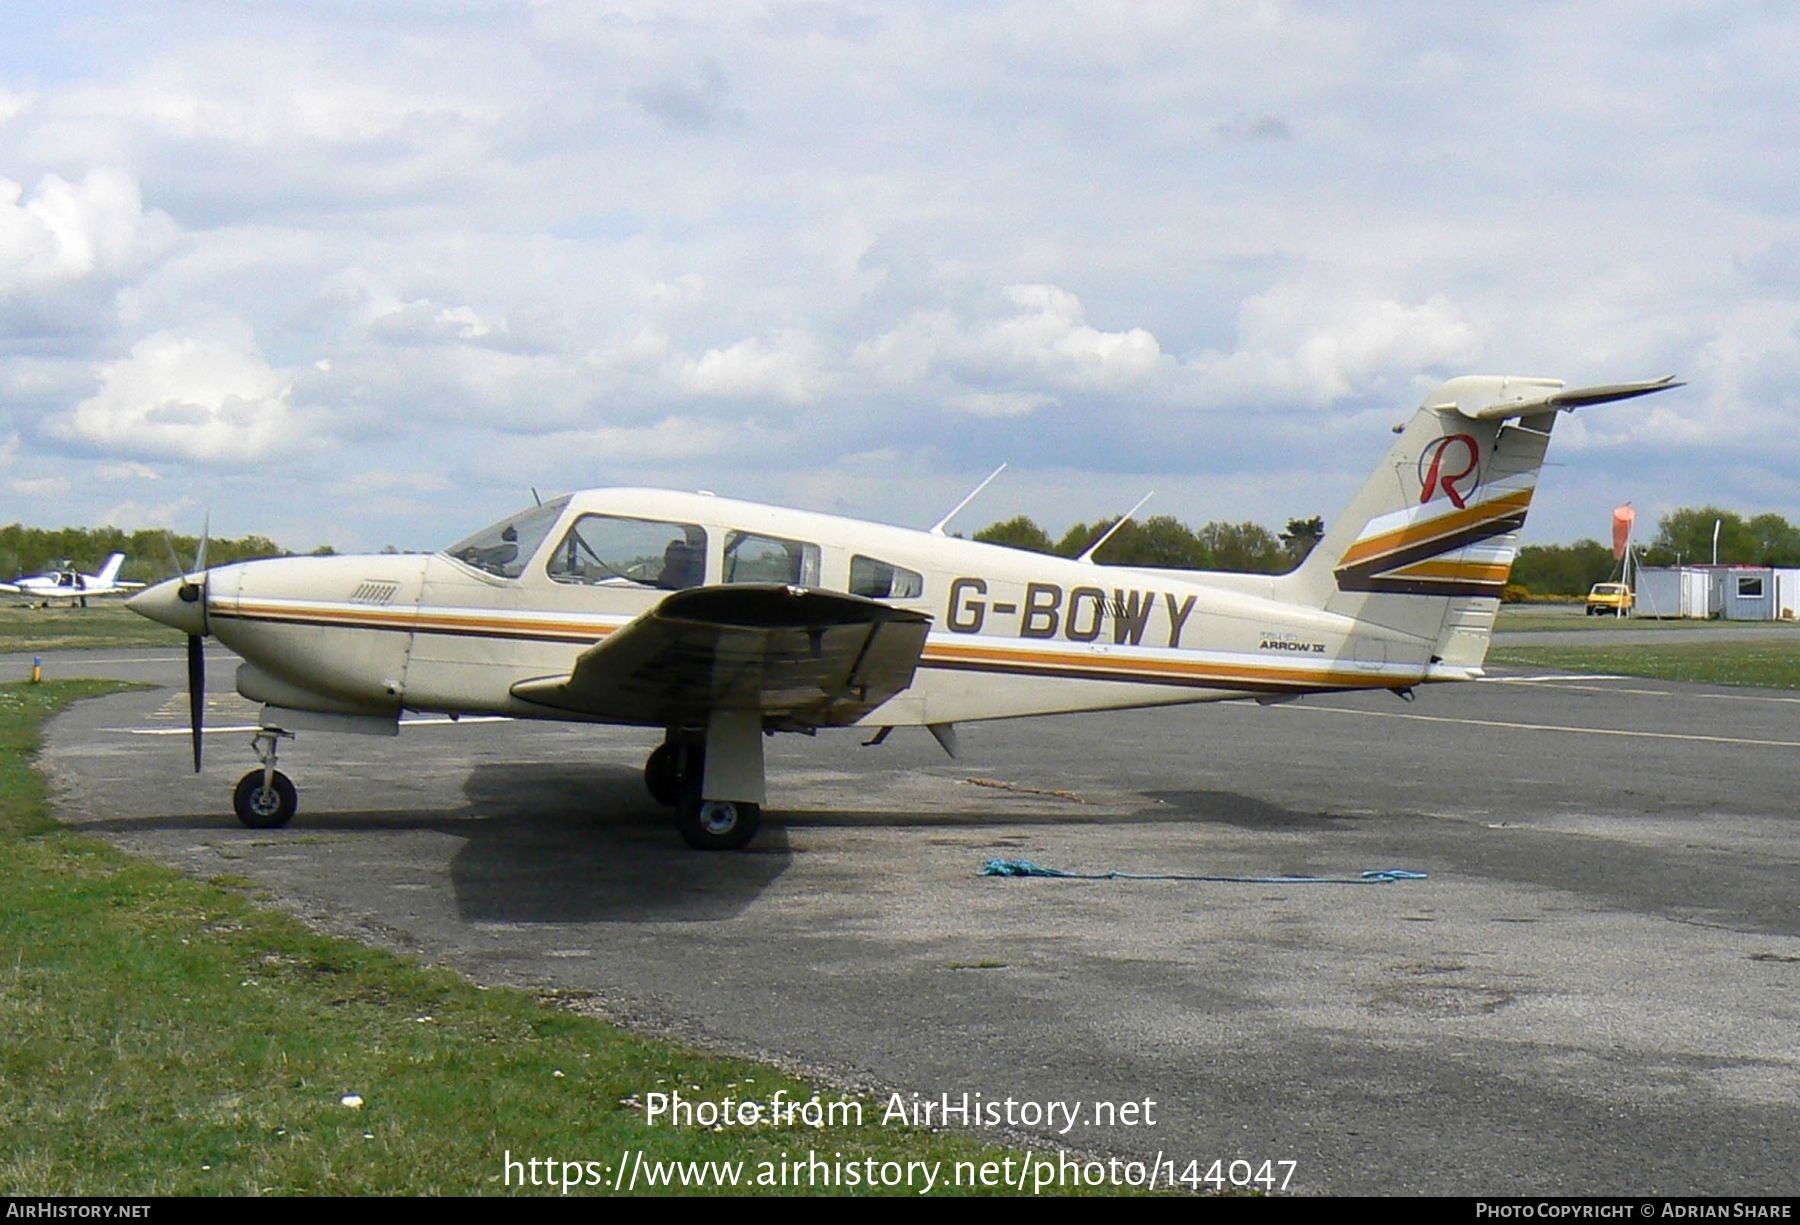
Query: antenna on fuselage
x,y
937,529
1088,553
534,496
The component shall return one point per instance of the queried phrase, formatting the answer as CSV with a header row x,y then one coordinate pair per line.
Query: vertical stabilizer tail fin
x,y
1427,544
109,573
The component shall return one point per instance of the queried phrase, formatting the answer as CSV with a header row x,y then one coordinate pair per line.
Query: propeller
x,y
193,591
196,664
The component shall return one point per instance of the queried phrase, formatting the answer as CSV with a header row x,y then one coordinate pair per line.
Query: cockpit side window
x,y
504,549
606,550
880,580
750,558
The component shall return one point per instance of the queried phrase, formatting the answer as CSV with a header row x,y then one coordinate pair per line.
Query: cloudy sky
x,y
366,273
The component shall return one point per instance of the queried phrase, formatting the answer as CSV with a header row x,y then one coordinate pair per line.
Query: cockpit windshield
x,y
504,548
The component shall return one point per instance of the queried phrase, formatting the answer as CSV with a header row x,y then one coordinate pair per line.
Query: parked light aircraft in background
x,y
720,622
71,585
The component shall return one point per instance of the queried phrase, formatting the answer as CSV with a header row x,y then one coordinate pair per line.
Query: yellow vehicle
x,y
1614,598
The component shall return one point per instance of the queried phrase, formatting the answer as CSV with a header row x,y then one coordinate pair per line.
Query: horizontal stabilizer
x,y
1483,399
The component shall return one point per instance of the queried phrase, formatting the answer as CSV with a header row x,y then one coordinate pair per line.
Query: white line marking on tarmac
x,y
84,661
1547,727
434,721
1534,680
1648,693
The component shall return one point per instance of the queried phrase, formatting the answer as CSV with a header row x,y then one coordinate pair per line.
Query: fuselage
x,y
1013,633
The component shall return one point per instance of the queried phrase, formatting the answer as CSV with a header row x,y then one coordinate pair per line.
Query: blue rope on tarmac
x,y
1024,867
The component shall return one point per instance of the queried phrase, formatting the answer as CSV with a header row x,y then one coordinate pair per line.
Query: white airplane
x,y
721,622
71,585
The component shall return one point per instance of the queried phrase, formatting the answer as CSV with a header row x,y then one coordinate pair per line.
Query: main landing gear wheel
x,y
716,825
662,775
262,807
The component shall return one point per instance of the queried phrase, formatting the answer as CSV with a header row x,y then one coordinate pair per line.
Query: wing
x,y
803,658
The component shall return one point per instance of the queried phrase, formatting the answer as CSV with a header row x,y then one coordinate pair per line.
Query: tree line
x,y
1682,536
36,550
1165,541
1540,570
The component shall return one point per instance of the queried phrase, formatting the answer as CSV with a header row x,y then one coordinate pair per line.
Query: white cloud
x,y
781,369
947,232
999,403
66,231
399,481
688,287
129,470
12,103
1304,345
185,398
1043,347
262,94
180,514
429,323
683,452
1050,336
40,486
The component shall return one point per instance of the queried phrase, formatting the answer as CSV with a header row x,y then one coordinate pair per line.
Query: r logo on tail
x,y
1432,468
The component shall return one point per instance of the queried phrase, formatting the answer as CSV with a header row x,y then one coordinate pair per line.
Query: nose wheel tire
x,y
717,825
262,807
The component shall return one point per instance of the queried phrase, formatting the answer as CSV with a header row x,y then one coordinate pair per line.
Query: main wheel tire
x,y
265,808
717,825
662,775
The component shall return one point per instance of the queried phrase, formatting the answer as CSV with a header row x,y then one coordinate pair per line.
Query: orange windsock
x,y
1623,518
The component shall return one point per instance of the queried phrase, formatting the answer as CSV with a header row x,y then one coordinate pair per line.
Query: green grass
x,y
1574,619
1770,663
165,1036
104,623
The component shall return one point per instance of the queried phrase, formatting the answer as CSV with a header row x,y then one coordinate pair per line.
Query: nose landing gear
x,y
265,798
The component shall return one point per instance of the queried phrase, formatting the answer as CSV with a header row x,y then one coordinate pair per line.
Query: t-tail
x,y
1426,547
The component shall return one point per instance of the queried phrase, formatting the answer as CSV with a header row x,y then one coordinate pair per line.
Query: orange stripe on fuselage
x,y
1101,665
415,619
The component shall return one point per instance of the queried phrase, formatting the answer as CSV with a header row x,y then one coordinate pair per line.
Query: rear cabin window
x,y
750,558
880,580
604,550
